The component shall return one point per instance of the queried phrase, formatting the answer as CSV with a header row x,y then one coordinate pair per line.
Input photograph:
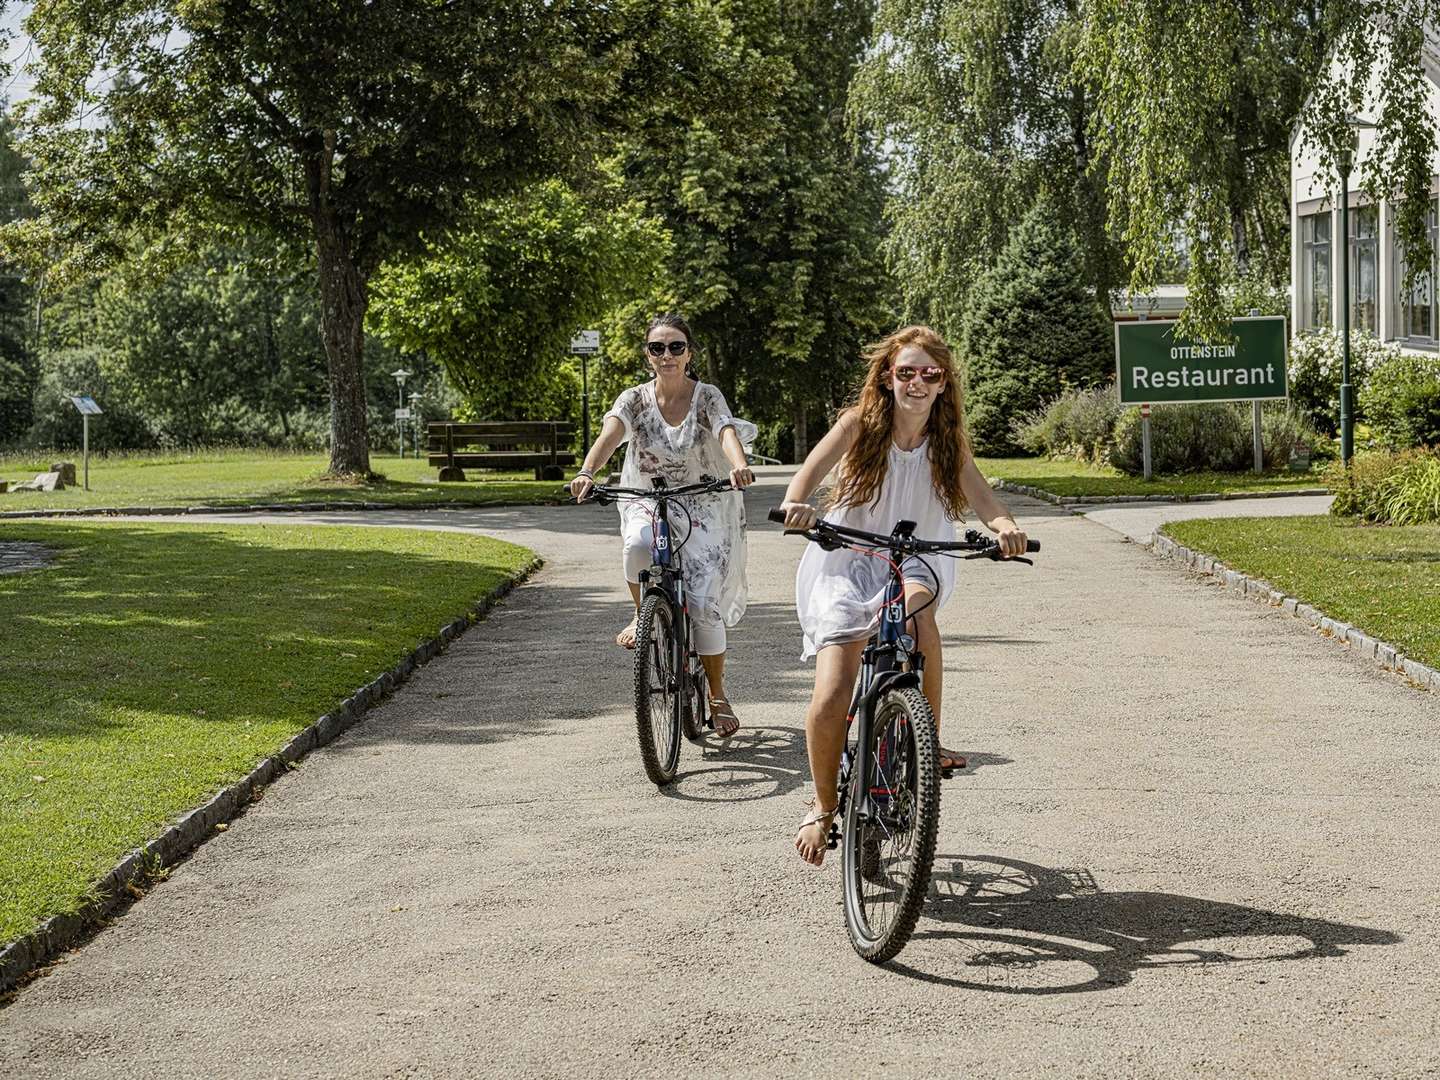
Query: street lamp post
x,y
400,375
1347,392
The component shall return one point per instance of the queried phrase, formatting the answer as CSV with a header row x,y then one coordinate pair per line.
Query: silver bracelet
x,y
587,473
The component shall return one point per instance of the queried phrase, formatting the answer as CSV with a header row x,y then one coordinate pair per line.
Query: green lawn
x,y
1074,478
221,477
153,665
1383,579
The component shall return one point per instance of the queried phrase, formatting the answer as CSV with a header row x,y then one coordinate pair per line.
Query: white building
x,y
1378,304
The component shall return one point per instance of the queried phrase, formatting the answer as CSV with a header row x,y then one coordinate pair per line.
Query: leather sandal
x,y
824,819
723,717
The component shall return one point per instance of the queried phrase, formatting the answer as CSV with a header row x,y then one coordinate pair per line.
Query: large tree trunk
x,y
801,435
343,296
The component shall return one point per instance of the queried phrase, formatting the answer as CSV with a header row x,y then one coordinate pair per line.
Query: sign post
x,y
1145,437
87,407
585,344
1153,366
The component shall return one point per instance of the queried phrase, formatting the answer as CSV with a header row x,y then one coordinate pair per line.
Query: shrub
x,y
1219,437
1034,327
1388,488
1314,368
1078,424
1401,401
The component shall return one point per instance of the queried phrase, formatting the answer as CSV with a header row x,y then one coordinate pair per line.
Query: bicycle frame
x,y
671,583
890,661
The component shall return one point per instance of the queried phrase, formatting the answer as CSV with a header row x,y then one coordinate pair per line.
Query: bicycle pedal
x,y
832,840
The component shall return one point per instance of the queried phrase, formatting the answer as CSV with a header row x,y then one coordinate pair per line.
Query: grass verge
x,y
1383,579
1073,478
231,477
153,665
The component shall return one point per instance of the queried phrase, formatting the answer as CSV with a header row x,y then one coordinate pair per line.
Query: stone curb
x,y
21,957
256,508
1124,500
1379,652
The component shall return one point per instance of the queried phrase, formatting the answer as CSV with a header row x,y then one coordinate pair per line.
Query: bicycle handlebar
x,y
602,493
827,531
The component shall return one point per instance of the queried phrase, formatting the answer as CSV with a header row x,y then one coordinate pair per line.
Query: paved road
x,y
1196,840
1140,520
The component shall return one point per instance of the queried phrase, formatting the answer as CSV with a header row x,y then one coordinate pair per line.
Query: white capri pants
x,y
707,629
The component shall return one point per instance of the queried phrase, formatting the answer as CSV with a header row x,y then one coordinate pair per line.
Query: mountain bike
x,y
672,693
889,788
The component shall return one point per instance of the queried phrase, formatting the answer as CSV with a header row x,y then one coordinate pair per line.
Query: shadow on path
x,y
1028,929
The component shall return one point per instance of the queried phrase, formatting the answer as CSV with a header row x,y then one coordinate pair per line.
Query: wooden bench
x,y
541,445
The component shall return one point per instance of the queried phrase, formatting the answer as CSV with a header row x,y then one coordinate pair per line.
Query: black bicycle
x,y
672,693
889,790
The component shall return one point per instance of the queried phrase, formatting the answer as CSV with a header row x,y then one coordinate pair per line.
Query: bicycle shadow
x,y
757,763
1040,930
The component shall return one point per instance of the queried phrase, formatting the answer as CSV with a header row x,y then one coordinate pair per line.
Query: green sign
x,y
1154,367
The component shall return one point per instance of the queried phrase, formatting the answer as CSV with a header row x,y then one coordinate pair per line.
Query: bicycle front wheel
x,y
657,699
888,836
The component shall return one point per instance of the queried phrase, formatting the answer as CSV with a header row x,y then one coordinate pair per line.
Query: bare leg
x,y
927,640
626,637
723,716
835,669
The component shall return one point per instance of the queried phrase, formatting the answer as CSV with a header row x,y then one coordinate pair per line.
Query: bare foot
x,y
726,722
626,637
813,838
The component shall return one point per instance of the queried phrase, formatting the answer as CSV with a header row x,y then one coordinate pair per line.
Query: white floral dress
x,y
838,593
713,553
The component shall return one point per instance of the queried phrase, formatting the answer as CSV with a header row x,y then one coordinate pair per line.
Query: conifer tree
x,y
1034,327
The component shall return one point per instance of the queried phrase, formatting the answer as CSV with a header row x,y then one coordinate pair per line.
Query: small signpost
x,y
1153,366
585,344
87,408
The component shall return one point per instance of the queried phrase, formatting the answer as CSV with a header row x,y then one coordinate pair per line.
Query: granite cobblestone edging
x,y
21,957
1379,652
1118,500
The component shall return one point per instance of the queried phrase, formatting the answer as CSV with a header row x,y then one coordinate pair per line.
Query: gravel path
x,y
1195,840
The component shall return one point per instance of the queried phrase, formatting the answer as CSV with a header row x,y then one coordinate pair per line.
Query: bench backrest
x,y
443,433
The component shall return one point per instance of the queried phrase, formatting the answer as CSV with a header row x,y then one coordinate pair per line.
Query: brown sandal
x,y
723,717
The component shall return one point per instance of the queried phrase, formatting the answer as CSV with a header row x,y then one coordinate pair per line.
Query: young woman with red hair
x,y
902,453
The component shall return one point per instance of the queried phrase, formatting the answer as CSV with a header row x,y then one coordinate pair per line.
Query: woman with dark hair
x,y
681,428
903,455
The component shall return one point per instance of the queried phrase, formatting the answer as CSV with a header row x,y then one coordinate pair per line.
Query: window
x,y
1415,315
1315,270
1364,269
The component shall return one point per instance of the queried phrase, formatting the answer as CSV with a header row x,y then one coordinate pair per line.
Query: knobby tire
x,y
863,847
654,645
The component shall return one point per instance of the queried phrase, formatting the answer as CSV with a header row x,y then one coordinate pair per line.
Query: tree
x,y
1194,105
777,233
496,303
18,372
978,99
1034,327
351,130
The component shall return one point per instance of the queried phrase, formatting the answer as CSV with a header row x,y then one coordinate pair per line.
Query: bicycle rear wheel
x,y
657,699
888,836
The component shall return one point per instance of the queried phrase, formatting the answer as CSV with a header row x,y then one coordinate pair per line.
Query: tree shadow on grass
x,y
203,623
1020,928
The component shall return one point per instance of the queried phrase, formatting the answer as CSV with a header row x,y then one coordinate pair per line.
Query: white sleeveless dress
x,y
838,593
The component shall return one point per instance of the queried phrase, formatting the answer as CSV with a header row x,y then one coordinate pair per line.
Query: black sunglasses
x,y
657,348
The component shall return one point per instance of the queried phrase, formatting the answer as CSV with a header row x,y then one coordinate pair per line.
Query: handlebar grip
x,y
776,515
1032,545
